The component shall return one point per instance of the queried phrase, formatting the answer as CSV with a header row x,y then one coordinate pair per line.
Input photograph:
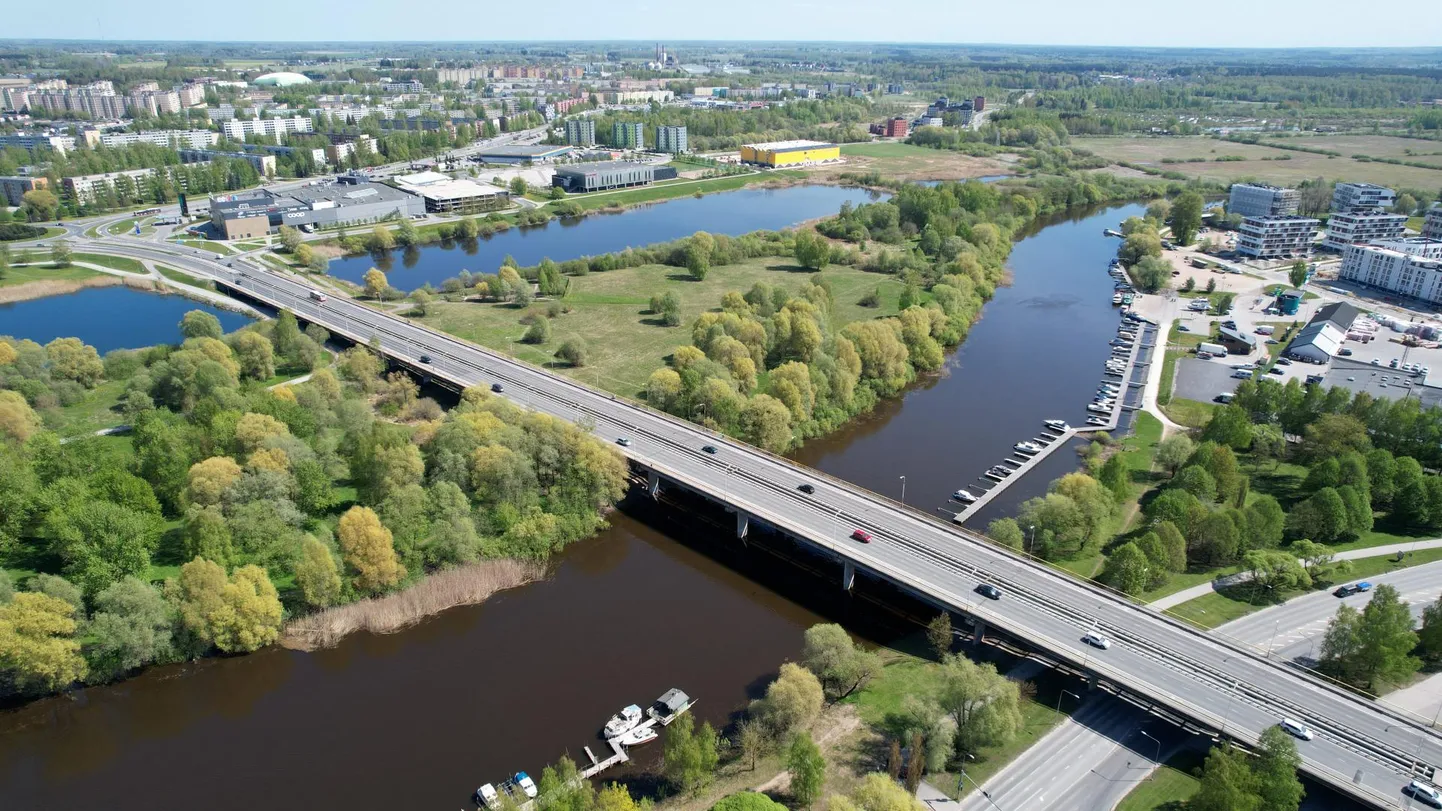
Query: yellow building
x,y
790,153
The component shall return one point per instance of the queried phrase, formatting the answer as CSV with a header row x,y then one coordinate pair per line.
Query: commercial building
x,y
1346,228
84,187
1357,197
245,215
1433,227
522,153
1261,200
584,177
1236,341
1278,236
628,135
192,139
280,80
1320,340
580,132
274,127
672,140
1408,274
446,195
263,164
31,142
790,153
13,189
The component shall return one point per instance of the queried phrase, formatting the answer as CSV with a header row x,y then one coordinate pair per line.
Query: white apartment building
x,y
403,87
1393,271
461,76
1420,247
83,187
192,139
191,94
1346,228
96,100
1261,200
1273,237
1362,197
15,99
672,139
1433,228
152,102
59,143
274,127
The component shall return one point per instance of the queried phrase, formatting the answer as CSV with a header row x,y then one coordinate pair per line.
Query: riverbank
x,y
15,289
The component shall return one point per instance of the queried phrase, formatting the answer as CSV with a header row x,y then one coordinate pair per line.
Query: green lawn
x,y
1169,786
184,278
99,409
208,245
625,341
121,263
886,150
1190,413
45,273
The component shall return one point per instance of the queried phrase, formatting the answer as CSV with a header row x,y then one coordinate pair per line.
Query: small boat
x,y
524,782
622,721
1128,299
1027,447
963,496
488,796
1096,421
638,736
1098,409
1112,232
1056,425
1117,298
999,470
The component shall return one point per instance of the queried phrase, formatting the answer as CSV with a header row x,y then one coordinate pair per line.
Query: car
x,y
497,388
1276,370
1096,640
1345,590
1240,375
861,535
1424,793
623,442
989,591
1344,352
806,488
711,449
1296,728
425,358
1283,362
1183,328
1376,362
1229,324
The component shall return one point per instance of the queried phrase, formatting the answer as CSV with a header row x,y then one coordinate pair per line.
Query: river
x,y
108,318
418,719
733,212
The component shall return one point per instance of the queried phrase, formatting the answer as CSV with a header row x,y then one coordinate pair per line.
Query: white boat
x,y
623,721
638,736
963,496
999,470
1099,409
669,706
524,782
488,796
1056,425
1117,299
1096,421
1027,447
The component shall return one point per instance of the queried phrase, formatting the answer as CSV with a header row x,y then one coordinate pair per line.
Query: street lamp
x,y
1158,759
903,489
1031,538
1275,626
965,776
1064,693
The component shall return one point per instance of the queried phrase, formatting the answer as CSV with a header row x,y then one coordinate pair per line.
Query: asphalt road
x,y
1360,747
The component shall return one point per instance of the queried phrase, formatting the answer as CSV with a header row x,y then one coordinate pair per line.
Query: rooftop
x,y
788,146
1341,314
254,203
1267,186
524,150
1356,376
437,186
599,166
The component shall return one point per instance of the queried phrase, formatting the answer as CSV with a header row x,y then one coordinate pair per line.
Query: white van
x,y
1266,329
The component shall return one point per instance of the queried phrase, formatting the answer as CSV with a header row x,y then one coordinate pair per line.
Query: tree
x,y
238,614
1276,771
1229,426
60,254
938,635
812,250
101,542
289,239
878,792
793,700
1332,435
37,645
808,770
208,479
1227,783
375,283
698,251
1006,532
405,234
751,739
1116,477
200,324
1297,274
985,705
380,239
766,423
1151,274
1371,649
72,360
1279,571
573,352
1196,480
317,574
207,535
1429,636
1127,569
1138,246
682,757
1174,451
132,627
38,205
369,550
748,801
538,332
18,420
1186,217
1322,517
842,667
519,186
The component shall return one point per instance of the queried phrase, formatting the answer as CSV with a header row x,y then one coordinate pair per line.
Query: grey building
x,y
1359,197
1433,228
256,213
522,153
581,132
1261,200
1272,237
672,139
584,177
628,135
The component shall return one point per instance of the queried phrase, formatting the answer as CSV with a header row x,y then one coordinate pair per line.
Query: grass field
x,y
908,162
120,263
45,273
1190,413
1285,166
208,245
184,278
99,409
1169,787
626,343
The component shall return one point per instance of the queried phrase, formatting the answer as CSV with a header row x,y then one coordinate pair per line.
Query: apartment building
x,y
12,189
31,142
1433,227
1346,228
193,139
672,139
1261,200
152,102
264,164
1277,236
273,127
95,100
84,187
1362,197
461,76
403,87
343,146
1401,272
628,135
581,132
15,99
191,95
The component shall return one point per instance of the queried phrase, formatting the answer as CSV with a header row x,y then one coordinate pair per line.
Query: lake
x,y
108,318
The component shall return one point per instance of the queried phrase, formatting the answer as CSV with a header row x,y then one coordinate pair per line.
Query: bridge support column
x,y
743,524
848,575
653,483
1091,681
978,633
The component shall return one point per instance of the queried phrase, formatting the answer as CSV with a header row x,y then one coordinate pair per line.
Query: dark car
x,y
861,535
711,449
1276,370
1348,589
1283,362
425,358
806,488
989,591
497,388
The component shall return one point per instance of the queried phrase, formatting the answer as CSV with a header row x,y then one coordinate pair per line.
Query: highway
x,y
1360,748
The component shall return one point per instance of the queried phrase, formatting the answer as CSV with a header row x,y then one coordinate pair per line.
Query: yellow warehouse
x,y
790,153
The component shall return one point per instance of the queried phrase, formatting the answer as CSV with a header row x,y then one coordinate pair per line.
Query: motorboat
x,y
638,736
1098,408
964,497
1117,298
999,470
1056,425
1096,421
623,721
1027,447
527,786
488,796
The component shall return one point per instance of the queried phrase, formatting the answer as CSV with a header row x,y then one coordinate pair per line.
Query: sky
x,y
1214,23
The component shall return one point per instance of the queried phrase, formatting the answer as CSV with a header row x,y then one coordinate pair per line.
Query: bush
x,y
10,231
572,352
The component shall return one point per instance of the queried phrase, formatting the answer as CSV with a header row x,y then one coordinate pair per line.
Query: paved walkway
x,y
1177,598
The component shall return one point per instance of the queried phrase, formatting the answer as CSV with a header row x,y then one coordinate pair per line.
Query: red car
x,y
861,535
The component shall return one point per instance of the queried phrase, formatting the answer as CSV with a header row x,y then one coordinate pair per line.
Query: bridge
x,y
1362,748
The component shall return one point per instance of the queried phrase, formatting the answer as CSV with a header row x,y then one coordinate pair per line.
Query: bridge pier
x,y
978,633
743,524
848,575
653,483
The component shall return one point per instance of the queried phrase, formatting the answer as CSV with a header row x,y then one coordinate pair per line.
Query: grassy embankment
x,y
123,264
625,341
1168,788
184,278
903,161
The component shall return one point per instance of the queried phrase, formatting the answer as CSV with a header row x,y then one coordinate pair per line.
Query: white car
x,y
1096,640
1296,728
1424,793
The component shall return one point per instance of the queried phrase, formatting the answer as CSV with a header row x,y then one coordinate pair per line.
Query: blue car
x,y
1349,589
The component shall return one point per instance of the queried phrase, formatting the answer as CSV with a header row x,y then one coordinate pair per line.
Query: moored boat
x,y
963,496
1056,425
638,736
623,721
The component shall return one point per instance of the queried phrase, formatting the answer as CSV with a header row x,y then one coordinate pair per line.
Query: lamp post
x,y
1275,626
903,489
1064,693
964,776
1158,759
1031,538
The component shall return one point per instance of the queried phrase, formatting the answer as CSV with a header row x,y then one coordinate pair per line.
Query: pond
x,y
108,317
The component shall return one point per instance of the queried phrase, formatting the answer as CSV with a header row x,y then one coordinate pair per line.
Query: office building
x,y
1406,273
1433,227
628,135
1261,200
790,153
245,215
580,132
1346,228
672,140
446,195
263,164
12,189
1358,197
1278,236
193,139
83,188
32,142
522,153
273,127
584,177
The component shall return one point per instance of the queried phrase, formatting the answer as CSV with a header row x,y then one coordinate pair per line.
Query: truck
x,y
1212,349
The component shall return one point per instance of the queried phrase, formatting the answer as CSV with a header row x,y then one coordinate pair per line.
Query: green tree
x,y
1229,426
1297,274
238,614
289,239
200,324
405,233
572,352
840,665
60,254
38,650
812,250
1321,517
1186,217
375,283
1174,451
380,239
748,801
1429,636
101,542
1006,532
317,574
1196,480
519,186
1371,649
1276,771
538,332
682,756
1227,783
808,770
985,705
369,550
132,626
792,701
1116,477
1280,571
938,635
1127,569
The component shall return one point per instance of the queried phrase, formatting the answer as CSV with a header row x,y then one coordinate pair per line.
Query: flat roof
x,y
525,150
1368,378
789,146
436,186
599,166
255,203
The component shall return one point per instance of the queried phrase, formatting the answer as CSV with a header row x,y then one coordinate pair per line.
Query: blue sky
x,y
1214,23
